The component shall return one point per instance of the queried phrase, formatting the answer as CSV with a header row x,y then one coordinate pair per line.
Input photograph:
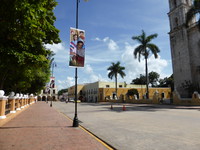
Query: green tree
x,y
132,92
141,80
193,11
116,69
25,26
153,78
144,49
60,92
166,82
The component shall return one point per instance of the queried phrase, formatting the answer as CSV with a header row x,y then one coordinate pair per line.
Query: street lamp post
x,y
75,121
53,65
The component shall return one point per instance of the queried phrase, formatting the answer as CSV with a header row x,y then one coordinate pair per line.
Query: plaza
x,y
140,126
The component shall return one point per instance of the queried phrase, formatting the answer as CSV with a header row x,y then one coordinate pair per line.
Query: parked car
x,y
70,100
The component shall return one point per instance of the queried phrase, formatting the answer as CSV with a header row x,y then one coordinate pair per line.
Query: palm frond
x,y
115,69
138,50
137,38
151,37
154,49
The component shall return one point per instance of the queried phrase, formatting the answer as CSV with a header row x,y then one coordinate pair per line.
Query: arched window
x,y
187,2
175,4
176,22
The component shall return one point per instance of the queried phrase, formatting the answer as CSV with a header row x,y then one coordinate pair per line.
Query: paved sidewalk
x,y
41,127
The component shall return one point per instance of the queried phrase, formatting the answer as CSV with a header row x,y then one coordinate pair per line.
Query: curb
x,y
108,146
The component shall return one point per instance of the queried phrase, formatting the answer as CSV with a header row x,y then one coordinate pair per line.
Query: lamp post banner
x,y
77,48
52,82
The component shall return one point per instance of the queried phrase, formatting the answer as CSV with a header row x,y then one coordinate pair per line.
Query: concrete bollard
x,y
11,99
18,102
21,101
2,104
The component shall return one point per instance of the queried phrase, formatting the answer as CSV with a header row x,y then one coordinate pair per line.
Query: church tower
x,y
183,46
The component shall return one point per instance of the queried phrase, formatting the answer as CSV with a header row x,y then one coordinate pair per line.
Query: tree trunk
x,y
147,79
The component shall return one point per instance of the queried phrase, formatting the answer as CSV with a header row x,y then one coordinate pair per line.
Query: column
x,y
12,104
2,104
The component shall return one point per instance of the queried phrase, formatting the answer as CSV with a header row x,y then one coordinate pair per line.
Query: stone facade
x,y
185,46
51,94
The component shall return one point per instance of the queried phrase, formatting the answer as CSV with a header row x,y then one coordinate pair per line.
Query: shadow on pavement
x,y
118,107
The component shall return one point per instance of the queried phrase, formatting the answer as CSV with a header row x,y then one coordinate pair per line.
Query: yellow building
x,y
71,91
103,91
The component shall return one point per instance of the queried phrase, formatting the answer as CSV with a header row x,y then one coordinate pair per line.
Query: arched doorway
x,y
44,98
39,98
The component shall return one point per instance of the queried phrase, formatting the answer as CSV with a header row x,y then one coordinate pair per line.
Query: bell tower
x,y
180,52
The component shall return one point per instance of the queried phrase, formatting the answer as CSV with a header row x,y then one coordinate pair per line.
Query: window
x,y
176,22
54,91
162,95
175,4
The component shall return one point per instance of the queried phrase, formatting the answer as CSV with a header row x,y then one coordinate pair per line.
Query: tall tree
x,y
193,11
25,26
144,49
141,80
166,82
116,69
153,78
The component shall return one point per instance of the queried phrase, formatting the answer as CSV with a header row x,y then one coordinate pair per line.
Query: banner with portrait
x,y
52,82
77,48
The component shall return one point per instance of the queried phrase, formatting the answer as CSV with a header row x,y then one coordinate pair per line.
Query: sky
x,y
109,27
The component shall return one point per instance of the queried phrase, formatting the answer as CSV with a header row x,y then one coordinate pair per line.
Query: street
x,y
140,126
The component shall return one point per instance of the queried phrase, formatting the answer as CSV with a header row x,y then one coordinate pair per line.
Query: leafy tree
x,y
25,26
140,80
62,91
153,78
166,82
116,69
132,92
144,49
193,11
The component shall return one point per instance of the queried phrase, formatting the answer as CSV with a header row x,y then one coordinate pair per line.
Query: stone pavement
x,y
41,127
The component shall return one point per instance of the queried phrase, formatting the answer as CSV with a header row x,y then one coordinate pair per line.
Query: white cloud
x,y
134,68
112,45
105,39
97,39
88,69
55,47
62,84
91,75
70,81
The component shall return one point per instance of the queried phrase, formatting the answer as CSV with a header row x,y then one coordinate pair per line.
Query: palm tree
x,y
193,11
144,49
116,69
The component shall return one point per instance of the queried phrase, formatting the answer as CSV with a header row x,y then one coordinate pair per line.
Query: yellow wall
x,y
71,91
107,92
